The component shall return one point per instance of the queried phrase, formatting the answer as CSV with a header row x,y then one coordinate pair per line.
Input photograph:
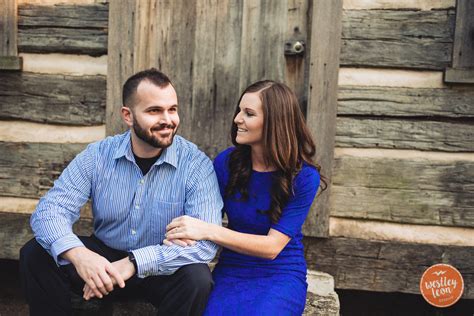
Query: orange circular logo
x,y
441,285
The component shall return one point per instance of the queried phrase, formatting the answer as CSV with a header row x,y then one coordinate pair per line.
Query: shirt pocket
x,y
163,213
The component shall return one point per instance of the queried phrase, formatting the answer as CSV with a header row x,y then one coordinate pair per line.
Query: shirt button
x,y
142,181
137,206
133,232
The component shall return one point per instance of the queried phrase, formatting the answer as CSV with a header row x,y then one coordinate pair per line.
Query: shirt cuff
x,y
63,244
146,259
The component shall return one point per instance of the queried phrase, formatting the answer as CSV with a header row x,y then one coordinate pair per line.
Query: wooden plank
x,y
15,231
8,28
71,29
322,104
453,75
226,72
463,49
454,136
11,63
56,99
296,72
454,102
120,60
264,27
385,266
64,15
202,110
397,38
404,190
28,170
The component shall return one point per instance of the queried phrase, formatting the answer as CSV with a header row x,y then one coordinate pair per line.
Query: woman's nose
x,y
238,118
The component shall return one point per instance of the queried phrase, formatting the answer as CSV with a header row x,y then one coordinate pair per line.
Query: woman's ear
x,y
127,116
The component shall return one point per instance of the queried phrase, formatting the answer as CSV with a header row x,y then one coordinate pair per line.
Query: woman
x,y
268,181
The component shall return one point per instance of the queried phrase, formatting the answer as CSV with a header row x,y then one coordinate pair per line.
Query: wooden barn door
x,y
213,49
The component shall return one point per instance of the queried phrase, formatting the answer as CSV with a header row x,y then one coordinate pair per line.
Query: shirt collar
x,y
169,154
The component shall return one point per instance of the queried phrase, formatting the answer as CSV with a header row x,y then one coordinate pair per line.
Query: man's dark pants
x,y
47,287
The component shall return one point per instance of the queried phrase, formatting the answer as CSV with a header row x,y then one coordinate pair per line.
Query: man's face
x,y
155,114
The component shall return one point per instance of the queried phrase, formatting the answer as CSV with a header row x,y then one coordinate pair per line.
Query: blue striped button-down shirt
x,y
130,210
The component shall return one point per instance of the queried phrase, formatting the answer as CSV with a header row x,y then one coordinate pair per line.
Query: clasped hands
x,y
98,273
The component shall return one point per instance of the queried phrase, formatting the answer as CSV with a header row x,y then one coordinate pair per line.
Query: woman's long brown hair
x,y
287,144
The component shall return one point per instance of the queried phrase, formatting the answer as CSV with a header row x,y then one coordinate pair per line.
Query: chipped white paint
x,y
27,132
17,205
390,78
402,154
53,2
64,64
424,234
27,206
400,4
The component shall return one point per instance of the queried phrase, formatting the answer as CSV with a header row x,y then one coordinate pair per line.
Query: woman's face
x,y
249,120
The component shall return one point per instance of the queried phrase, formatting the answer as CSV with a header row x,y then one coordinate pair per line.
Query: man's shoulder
x,y
187,150
111,143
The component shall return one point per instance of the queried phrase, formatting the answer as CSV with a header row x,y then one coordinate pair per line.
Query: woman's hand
x,y
187,227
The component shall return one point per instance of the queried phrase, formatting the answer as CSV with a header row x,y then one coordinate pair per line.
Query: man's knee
x,y
198,277
31,254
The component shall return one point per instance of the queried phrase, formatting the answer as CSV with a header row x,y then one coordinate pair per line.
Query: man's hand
x,y
125,268
95,270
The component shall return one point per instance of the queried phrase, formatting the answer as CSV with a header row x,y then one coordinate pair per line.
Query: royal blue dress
x,y
248,285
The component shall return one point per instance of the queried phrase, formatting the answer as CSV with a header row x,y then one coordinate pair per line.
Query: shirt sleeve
x,y
59,209
203,201
295,212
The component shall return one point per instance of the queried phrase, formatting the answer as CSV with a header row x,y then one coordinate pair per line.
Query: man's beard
x,y
152,140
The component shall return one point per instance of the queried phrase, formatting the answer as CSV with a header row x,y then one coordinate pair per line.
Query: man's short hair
x,y
152,75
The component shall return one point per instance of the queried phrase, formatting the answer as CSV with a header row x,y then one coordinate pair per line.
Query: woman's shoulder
x,y
220,162
308,176
223,155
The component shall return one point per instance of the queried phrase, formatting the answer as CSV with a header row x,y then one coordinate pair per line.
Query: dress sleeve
x,y
306,185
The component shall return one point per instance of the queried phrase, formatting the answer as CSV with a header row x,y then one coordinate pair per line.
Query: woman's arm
x,y
264,246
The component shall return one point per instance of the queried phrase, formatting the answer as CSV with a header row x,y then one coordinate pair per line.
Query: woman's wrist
x,y
211,231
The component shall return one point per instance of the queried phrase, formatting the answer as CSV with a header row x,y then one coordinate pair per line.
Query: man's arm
x,y
203,201
58,210
56,213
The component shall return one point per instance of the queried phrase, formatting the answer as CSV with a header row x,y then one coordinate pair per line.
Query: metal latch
x,y
294,47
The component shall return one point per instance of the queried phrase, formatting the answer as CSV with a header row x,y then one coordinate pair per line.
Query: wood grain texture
x,y
297,66
456,102
397,38
15,231
322,101
56,99
28,170
8,28
463,50
416,191
264,28
120,60
71,29
385,266
413,133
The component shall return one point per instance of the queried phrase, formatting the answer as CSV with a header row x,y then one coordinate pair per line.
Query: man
x,y
138,182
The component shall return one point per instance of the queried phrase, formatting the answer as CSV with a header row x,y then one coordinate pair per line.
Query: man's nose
x,y
165,118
